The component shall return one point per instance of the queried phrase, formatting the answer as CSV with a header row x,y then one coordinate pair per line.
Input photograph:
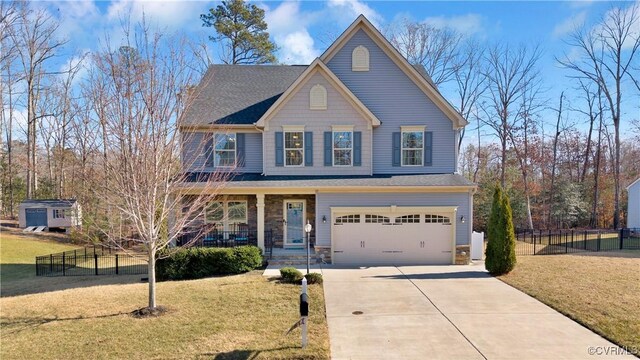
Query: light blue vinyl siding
x,y
324,202
194,149
397,101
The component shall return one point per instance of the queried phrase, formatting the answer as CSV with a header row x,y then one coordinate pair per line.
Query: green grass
x,y
599,290
18,252
235,317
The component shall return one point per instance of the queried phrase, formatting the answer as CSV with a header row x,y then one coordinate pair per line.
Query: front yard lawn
x,y
234,317
600,290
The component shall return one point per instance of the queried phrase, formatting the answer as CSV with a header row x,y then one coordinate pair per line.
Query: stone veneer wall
x,y
273,214
463,254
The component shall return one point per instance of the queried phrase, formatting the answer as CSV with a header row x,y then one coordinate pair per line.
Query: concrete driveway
x,y
446,312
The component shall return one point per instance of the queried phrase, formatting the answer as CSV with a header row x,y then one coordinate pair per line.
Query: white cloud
x,y
349,10
569,24
288,26
468,24
298,48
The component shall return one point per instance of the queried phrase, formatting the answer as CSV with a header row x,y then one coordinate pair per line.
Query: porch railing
x,y
218,238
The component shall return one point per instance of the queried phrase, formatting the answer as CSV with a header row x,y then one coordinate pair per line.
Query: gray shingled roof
x,y
49,202
261,181
241,94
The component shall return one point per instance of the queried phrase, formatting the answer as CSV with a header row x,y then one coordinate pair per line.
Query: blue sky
x,y
302,29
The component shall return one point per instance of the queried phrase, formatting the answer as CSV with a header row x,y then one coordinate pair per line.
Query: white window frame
x,y
235,150
58,214
225,213
402,148
333,147
285,148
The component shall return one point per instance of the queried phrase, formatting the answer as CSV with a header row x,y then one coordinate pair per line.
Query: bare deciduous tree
x,y
36,44
510,73
434,48
607,52
146,189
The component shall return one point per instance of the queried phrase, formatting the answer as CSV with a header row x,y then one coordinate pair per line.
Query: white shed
x,y
56,213
633,208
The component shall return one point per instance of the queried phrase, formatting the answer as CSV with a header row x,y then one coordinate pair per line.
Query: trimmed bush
x,y
500,254
291,275
196,263
314,278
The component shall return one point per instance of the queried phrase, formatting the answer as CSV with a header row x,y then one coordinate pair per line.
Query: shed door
x,y
36,217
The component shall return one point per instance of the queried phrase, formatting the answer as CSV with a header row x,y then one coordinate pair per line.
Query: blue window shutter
x,y
428,148
208,151
240,149
308,148
396,148
279,148
328,148
357,148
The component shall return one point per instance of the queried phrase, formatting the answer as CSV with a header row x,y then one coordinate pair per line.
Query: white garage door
x,y
370,237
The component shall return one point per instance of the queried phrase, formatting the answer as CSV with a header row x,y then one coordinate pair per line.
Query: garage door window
x,y
348,219
376,219
436,219
408,219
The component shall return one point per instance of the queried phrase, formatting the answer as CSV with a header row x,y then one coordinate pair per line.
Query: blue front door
x,y
294,214
36,217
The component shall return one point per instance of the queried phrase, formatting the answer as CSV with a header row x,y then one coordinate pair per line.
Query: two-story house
x,y
359,143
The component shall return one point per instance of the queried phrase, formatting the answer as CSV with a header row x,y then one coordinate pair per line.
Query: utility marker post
x,y
304,311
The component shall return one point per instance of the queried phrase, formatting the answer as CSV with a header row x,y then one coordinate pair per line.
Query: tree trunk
x,y
152,277
555,156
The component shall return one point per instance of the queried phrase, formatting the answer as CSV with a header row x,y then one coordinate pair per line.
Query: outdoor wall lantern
x,y
324,219
462,219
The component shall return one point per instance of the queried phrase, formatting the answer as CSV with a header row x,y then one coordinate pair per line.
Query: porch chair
x,y
241,234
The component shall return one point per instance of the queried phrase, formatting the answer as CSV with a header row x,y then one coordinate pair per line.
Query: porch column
x,y
260,207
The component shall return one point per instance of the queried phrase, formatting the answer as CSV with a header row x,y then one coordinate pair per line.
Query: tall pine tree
x,y
243,32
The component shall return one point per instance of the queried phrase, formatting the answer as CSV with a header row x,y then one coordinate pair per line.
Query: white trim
x,y
402,149
284,148
235,150
342,127
284,227
413,128
316,66
432,93
633,183
293,128
225,213
333,149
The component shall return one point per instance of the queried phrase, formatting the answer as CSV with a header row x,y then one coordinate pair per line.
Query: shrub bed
x,y
290,275
196,263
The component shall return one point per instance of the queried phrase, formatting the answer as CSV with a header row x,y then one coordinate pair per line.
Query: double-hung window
x,y
226,215
412,148
225,150
294,148
342,148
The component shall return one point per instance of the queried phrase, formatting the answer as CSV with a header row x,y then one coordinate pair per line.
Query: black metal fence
x,y
218,238
547,242
95,260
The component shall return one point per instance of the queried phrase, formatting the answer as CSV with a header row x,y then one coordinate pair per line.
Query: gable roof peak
x,y
362,23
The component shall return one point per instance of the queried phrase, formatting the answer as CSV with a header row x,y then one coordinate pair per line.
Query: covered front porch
x,y
265,220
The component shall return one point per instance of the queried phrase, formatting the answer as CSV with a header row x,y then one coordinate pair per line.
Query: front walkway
x,y
446,312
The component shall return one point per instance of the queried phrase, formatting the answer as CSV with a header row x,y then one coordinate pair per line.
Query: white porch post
x,y
260,207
